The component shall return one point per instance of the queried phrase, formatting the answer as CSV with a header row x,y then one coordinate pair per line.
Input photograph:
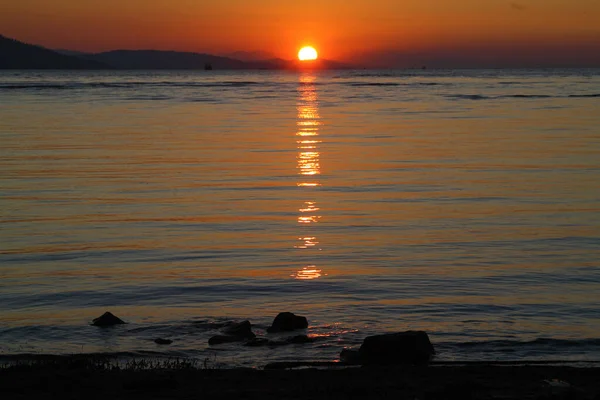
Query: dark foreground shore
x,y
439,382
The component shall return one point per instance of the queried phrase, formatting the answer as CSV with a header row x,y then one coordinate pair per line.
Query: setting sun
x,y
307,53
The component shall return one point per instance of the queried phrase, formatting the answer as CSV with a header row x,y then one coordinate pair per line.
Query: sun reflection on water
x,y
309,241
308,273
309,168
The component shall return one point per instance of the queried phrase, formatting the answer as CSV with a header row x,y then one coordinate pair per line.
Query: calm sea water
x,y
464,203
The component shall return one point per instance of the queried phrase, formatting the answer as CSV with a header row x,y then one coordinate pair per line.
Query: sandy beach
x,y
72,380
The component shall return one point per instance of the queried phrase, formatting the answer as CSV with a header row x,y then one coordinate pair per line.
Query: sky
x,y
373,32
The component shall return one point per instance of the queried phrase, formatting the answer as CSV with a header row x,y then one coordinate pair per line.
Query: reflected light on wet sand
x,y
309,167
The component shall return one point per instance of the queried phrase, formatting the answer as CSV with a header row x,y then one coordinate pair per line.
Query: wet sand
x,y
424,383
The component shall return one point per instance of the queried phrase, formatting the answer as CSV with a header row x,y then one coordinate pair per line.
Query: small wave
x,y
149,98
508,96
123,85
526,96
358,84
168,84
469,96
518,96
34,86
539,342
112,85
366,75
234,83
148,328
201,100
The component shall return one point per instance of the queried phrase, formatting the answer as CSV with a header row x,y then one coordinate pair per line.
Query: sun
x,y
307,53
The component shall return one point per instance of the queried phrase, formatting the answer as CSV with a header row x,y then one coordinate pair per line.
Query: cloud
x,y
518,7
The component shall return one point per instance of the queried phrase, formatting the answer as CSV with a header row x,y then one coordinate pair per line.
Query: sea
x,y
465,203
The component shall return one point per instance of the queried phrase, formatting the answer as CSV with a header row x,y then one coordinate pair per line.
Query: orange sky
x,y
339,29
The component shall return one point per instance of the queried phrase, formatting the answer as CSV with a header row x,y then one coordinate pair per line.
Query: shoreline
x,y
80,380
36,360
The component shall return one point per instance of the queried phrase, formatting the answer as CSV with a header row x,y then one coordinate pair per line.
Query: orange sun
x,y
307,53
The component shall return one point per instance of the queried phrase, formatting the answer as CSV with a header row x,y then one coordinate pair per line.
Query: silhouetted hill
x,y
249,56
19,55
155,59
72,52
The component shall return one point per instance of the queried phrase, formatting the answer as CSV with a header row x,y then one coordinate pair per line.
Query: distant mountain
x,y
72,52
155,59
263,59
250,56
19,55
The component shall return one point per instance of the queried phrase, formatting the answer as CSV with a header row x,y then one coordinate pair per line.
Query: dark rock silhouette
x,y
287,321
350,356
258,342
234,332
300,339
19,55
411,347
241,329
107,319
162,341
220,339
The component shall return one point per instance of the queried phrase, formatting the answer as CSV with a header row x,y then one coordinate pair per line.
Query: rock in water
x,y
411,347
240,329
287,321
234,332
257,342
219,339
300,339
107,319
350,356
162,341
